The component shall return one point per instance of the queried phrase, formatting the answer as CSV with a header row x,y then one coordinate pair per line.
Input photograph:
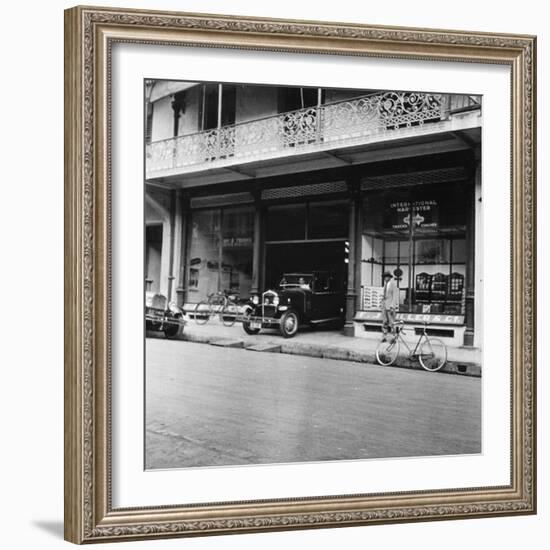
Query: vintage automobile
x,y
161,316
301,299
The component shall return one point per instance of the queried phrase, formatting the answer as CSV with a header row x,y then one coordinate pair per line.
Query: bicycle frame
x,y
217,299
414,353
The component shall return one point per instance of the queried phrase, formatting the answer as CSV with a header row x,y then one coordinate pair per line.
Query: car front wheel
x,y
173,330
246,323
289,324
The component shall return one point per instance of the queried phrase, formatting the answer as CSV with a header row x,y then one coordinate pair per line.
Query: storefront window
x,y
221,252
428,259
237,237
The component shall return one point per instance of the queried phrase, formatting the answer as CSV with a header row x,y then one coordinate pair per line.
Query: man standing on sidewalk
x,y
390,303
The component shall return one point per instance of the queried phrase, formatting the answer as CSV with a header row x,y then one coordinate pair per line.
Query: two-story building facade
x,y
246,182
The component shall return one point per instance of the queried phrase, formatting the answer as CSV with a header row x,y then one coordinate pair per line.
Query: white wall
x,y
189,120
253,103
163,119
32,348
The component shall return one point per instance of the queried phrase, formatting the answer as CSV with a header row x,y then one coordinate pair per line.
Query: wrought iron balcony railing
x,y
326,126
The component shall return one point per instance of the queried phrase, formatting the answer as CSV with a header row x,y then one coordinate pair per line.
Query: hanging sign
x,y
424,215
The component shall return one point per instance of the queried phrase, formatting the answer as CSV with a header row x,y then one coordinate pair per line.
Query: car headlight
x,y
255,300
276,300
174,308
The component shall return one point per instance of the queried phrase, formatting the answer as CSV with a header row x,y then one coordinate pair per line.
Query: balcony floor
x,y
460,133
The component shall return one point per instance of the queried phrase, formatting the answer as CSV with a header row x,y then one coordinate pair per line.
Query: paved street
x,y
211,406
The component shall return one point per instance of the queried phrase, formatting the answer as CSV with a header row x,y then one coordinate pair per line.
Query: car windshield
x,y
296,280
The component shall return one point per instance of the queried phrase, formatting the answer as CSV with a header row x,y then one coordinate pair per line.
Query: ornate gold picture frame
x,y
90,34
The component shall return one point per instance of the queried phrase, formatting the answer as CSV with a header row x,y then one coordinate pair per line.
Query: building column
x,y
173,243
351,294
479,267
256,246
182,232
165,218
469,283
166,256
359,252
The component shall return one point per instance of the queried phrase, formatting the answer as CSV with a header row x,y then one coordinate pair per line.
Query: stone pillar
x,y
351,294
182,230
469,282
257,246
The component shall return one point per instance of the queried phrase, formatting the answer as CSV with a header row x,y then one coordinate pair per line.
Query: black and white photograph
x,y
313,274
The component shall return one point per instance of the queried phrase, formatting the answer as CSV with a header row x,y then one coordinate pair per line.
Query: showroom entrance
x,y
295,257
307,236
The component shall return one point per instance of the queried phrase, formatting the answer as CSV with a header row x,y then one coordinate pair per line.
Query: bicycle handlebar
x,y
222,293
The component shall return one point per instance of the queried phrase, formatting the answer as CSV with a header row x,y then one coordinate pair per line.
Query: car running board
x,y
318,321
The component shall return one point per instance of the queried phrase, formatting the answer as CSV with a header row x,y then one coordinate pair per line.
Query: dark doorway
x,y
209,107
153,254
292,99
304,257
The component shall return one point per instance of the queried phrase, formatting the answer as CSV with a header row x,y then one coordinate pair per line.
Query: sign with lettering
x,y
424,215
412,318
237,242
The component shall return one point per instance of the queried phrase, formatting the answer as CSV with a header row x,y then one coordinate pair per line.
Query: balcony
x,y
365,119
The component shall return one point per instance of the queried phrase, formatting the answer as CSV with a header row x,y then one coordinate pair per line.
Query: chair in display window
x,y
422,288
455,296
456,287
440,283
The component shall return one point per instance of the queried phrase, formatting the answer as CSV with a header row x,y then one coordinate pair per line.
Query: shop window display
x,y
221,252
237,240
428,259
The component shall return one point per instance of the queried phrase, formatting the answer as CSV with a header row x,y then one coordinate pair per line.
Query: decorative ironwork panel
x,y
351,119
259,137
405,109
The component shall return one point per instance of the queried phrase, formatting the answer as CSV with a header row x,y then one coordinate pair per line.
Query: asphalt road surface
x,y
211,406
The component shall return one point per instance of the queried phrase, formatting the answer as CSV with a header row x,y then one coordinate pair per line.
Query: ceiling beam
x,y
463,138
240,171
334,156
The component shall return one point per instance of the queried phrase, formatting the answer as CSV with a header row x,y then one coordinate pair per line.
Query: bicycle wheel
x,y
387,352
202,312
433,354
229,313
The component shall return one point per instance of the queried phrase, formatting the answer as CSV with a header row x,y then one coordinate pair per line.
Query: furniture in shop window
x,y
422,288
456,287
456,294
440,283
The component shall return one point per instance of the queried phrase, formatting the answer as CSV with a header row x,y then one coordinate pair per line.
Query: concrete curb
x,y
328,352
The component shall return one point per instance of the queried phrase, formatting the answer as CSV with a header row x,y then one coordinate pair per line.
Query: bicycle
x,y
221,303
430,352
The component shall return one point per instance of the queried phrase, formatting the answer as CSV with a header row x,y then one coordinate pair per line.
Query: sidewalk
x,y
329,344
